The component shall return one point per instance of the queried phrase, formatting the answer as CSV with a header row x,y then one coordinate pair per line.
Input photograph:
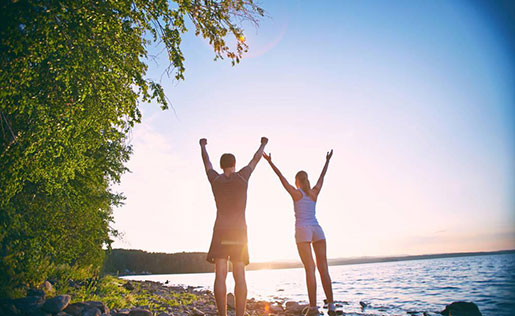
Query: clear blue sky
x,y
416,98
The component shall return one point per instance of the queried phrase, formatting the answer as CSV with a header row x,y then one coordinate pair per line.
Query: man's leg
x,y
306,257
240,287
220,287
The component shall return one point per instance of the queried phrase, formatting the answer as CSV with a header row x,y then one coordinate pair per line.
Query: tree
x,y
72,75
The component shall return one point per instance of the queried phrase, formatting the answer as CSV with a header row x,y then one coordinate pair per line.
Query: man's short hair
x,y
227,161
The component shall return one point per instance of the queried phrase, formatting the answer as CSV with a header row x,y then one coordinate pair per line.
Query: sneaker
x,y
331,309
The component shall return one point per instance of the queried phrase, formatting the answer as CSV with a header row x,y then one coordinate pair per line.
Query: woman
x,y
308,232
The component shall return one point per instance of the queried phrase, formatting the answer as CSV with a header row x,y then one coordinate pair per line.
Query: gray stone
x,y
56,304
163,314
140,312
275,308
62,314
75,309
29,304
293,307
128,286
36,292
91,311
461,309
10,309
38,312
100,305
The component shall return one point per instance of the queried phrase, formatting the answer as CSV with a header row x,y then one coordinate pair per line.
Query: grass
x,y
110,290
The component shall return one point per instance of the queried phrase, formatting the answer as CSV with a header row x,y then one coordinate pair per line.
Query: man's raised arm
x,y
205,156
259,153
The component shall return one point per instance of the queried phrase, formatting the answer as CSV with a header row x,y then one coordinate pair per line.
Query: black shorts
x,y
229,244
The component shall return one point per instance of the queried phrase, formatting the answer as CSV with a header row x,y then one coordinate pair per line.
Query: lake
x,y
389,288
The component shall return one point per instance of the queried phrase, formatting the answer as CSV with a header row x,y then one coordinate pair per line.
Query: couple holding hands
x,y
229,240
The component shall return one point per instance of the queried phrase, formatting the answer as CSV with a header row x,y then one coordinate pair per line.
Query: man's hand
x,y
264,140
329,155
267,157
203,142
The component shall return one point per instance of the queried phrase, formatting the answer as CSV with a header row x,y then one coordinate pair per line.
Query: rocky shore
x,y
169,301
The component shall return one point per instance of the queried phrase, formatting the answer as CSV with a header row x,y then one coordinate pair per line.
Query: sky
x,y
416,98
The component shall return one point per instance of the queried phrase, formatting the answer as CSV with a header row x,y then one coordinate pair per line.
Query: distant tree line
x,y
124,261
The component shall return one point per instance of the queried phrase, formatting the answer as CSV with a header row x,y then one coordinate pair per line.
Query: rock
x,y
140,312
62,314
36,292
461,309
293,307
56,304
75,309
163,314
128,286
47,287
230,301
29,304
91,311
196,312
276,308
10,309
101,306
38,312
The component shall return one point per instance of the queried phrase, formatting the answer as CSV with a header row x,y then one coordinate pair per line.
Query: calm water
x,y
391,288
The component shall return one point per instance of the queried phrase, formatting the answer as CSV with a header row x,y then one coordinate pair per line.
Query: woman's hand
x,y
329,155
203,142
267,157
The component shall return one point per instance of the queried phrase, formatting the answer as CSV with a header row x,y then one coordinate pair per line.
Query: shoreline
x,y
151,298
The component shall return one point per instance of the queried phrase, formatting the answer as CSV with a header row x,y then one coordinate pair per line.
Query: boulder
x,y
29,304
293,307
75,309
91,311
9,308
163,314
56,304
275,308
461,309
230,301
38,312
36,292
100,305
140,312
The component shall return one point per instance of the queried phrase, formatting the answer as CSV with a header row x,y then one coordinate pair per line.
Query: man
x,y
229,240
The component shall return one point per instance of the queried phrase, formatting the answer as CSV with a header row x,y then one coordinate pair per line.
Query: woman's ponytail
x,y
302,178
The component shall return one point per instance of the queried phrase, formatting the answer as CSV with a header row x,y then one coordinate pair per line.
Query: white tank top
x,y
305,211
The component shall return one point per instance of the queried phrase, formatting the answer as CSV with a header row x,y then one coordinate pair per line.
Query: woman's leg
x,y
220,287
320,253
240,287
309,265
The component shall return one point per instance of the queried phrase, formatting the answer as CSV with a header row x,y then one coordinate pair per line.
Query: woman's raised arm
x,y
295,194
